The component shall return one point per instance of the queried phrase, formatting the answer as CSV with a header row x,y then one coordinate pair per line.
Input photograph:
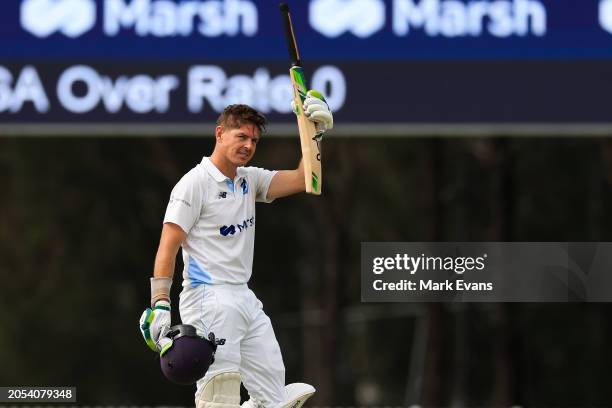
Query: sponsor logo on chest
x,y
233,229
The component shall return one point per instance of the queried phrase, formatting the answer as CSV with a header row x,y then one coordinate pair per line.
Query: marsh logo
x,y
333,18
72,18
162,18
605,15
451,18
434,18
157,18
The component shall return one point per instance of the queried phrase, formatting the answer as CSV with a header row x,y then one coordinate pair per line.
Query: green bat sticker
x,y
315,182
298,77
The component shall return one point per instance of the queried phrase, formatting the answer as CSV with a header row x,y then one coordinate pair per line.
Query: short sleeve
x,y
186,202
261,179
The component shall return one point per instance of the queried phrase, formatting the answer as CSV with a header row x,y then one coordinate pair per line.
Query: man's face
x,y
238,144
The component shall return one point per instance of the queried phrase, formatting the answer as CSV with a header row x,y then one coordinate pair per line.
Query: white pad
x,y
221,391
297,394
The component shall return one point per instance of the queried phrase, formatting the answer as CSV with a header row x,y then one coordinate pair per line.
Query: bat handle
x,y
294,54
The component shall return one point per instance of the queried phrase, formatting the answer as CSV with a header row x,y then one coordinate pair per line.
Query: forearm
x,y
287,182
299,182
165,262
171,238
163,272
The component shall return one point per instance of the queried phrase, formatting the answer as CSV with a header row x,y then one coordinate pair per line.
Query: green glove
x,y
153,322
316,109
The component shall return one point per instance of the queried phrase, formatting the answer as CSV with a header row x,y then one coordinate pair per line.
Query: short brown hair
x,y
234,116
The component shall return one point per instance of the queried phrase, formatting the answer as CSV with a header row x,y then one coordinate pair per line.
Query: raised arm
x,y
287,182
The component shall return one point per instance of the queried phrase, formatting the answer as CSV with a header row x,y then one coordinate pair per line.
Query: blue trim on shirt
x,y
230,184
197,275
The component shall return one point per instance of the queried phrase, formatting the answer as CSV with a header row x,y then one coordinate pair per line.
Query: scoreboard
x,y
387,66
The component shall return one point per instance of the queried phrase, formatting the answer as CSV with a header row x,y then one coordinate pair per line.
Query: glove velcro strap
x,y
162,305
160,290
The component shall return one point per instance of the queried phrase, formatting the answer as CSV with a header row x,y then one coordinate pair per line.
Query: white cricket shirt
x,y
218,215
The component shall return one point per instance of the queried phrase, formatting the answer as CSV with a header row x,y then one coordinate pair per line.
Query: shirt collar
x,y
216,173
213,170
241,172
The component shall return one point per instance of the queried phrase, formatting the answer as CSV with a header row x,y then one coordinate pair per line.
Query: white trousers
x,y
233,313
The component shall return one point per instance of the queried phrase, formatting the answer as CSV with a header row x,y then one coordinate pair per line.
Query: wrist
x,y
160,290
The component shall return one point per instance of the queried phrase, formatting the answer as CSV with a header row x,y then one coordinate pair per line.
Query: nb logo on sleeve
x,y
72,18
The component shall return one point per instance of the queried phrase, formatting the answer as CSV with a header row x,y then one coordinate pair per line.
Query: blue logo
x,y
231,230
245,186
225,230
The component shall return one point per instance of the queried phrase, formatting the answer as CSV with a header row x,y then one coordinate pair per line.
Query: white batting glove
x,y
316,109
153,322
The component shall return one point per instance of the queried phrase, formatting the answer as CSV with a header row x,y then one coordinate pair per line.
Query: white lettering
x,y
6,92
454,18
331,82
526,10
165,18
210,84
205,82
406,14
280,92
82,89
119,15
29,88
141,94
78,104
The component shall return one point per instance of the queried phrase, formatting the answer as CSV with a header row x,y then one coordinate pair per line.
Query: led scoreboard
x,y
400,66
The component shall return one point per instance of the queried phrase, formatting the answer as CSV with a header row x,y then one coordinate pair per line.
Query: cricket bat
x,y
309,139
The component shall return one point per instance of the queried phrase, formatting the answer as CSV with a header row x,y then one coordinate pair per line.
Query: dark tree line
x,y
80,222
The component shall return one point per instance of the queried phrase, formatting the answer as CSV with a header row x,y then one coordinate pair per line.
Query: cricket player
x,y
211,216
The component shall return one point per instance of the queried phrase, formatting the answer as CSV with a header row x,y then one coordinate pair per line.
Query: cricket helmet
x,y
189,355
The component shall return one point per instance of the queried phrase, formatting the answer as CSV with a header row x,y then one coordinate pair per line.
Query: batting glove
x,y
153,322
316,109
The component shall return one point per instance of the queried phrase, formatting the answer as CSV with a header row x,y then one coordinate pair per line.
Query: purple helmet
x,y
189,356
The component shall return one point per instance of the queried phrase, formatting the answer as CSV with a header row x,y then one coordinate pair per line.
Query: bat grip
x,y
294,55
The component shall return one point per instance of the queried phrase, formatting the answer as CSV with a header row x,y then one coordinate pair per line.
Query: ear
x,y
218,132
